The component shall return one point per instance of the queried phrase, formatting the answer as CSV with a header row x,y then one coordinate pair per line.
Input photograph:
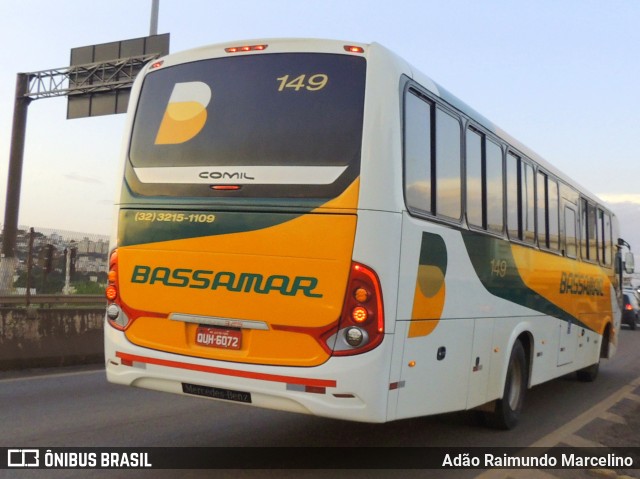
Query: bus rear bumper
x,y
354,388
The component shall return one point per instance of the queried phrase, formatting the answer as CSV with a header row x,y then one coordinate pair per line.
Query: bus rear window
x,y
275,124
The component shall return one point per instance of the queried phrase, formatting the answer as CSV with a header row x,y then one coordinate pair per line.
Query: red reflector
x,y
315,389
246,48
353,49
225,187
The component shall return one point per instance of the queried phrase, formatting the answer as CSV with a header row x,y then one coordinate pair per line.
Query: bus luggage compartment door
x,y
254,287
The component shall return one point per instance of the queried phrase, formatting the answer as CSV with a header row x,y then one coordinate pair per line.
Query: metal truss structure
x,y
96,77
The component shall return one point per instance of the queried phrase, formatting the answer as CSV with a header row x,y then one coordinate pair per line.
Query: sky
x,y
562,76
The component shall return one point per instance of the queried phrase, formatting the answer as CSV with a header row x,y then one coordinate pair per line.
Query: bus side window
x,y
513,201
589,243
553,214
484,183
548,221
543,218
417,153
521,199
448,172
494,188
475,186
527,211
570,246
605,237
593,233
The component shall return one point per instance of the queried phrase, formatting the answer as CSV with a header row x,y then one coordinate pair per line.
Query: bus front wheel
x,y
590,373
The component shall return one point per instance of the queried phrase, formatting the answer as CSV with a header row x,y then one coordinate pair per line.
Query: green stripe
x,y
141,226
433,252
482,251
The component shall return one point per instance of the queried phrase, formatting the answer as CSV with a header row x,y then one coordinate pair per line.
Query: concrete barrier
x,y
45,337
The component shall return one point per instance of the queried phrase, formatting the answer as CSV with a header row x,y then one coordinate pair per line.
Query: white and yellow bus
x,y
315,226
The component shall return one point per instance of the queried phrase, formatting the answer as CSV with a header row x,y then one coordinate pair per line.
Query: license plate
x,y
219,337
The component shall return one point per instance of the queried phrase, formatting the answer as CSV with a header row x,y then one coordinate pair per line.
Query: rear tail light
x,y
628,307
361,325
115,315
112,288
120,315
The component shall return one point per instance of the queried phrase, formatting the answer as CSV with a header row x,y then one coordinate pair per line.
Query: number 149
x,y
312,82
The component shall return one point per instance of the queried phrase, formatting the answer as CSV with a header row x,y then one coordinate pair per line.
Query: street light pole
x,y
155,7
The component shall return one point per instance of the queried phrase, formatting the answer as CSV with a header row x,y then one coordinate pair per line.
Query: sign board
x,y
111,99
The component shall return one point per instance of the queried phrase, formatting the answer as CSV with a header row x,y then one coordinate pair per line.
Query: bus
x,y
315,226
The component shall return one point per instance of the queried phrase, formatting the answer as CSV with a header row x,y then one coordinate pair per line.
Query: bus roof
x,y
281,45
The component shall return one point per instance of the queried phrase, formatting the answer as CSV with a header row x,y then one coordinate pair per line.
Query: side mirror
x,y
629,262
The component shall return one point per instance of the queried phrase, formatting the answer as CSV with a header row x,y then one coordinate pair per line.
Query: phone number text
x,y
153,216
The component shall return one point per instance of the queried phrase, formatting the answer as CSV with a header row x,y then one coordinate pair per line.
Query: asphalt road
x,y
78,408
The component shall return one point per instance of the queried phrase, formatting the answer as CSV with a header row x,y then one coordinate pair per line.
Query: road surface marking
x,y
566,434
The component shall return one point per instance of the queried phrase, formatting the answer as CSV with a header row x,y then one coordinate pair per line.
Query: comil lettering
x,y
225,175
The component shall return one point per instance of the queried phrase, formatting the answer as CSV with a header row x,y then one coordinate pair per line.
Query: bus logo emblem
x,y
186,113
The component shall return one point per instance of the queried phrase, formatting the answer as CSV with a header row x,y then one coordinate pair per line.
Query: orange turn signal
x,y
361,295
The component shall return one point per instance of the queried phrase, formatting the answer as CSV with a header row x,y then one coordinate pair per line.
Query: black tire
x,y
590,373
508,408
632,323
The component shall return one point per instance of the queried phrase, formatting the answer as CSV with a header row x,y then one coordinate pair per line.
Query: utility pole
x,y
14,181
29,264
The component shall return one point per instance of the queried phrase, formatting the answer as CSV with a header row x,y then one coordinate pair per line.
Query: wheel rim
x,y
515,386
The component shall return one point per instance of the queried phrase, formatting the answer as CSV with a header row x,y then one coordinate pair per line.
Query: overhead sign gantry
x,y
97,82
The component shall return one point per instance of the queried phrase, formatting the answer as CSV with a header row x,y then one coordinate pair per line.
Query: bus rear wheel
x,y
508,408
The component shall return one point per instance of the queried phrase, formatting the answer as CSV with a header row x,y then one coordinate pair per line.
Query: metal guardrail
x,y
53,299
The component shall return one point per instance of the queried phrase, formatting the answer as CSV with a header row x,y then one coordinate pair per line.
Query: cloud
x,y
82,179
628,214
615,198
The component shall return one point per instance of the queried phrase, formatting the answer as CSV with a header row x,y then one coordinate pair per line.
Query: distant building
x,y
92,251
